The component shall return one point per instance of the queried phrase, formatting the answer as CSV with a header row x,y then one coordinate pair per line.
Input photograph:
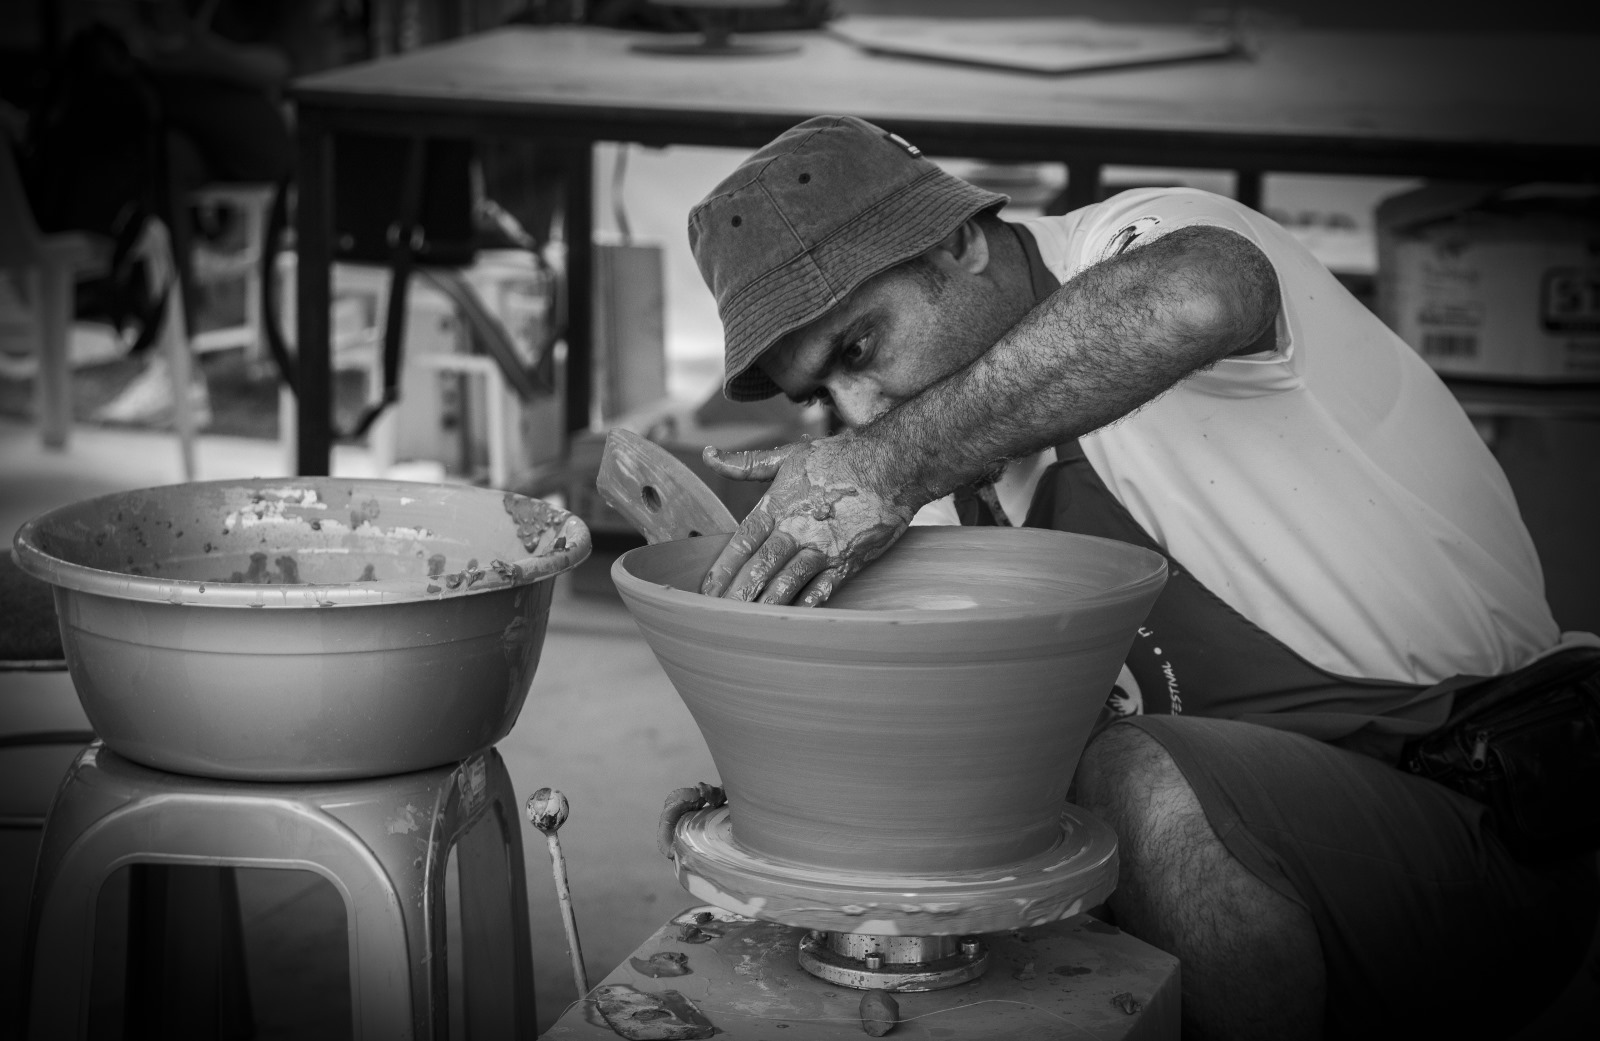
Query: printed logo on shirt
x,y
1125,237
1126,699
1160,694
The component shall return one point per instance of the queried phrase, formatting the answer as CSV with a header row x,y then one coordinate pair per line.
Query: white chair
x,y
360,299
251,203
48,268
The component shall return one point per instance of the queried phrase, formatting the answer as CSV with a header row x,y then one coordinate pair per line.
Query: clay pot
x,y
929,719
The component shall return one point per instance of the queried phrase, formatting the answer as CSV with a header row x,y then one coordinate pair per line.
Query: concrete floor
x,y
601,723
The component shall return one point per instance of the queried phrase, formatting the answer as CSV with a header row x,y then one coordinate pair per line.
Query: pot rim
x,y
82,578
666,596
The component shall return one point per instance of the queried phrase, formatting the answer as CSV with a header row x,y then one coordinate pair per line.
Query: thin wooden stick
x,y
547,811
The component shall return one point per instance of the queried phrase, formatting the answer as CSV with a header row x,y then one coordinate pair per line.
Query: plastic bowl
x,y
929,718
304,628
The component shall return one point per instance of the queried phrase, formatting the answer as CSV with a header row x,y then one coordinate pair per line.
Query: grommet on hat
x,y
800,224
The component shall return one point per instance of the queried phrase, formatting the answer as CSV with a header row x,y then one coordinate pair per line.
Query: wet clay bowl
x,y
305,628
928,719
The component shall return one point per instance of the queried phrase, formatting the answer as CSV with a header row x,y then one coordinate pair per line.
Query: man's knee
x,y
1122,771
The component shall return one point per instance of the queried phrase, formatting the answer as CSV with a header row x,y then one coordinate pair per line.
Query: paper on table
x,y
1034,44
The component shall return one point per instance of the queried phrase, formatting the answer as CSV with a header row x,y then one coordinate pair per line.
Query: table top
x,y
1474,104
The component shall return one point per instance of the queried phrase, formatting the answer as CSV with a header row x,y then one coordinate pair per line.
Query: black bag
x,y
93,162
1526,745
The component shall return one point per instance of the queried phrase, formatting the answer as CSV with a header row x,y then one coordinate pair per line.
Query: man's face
x,y
897,334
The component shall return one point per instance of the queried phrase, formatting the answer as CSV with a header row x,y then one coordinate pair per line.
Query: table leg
x,y
1247,188
1083,188
578,226
313,244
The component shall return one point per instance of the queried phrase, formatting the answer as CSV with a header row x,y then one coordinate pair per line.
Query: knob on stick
x,y
547,811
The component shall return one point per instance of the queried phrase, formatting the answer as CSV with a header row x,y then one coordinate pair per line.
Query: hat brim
x,y
794,294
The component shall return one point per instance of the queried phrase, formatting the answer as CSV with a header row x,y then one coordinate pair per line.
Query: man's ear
x,y
967,247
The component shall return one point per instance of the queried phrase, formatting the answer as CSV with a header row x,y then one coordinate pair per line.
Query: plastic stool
x,y
383,843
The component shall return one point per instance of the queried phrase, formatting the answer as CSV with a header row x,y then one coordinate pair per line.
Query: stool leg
x,y
498,951
383,844
475,813
93,830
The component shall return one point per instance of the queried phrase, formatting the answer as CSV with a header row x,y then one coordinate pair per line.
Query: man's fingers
x,y
755,465
750,536
800,569
821,588
766,562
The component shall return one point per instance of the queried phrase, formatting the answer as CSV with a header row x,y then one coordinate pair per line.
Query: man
x,y
1339,541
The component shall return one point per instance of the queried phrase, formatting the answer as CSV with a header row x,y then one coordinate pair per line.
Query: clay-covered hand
x,y
824,519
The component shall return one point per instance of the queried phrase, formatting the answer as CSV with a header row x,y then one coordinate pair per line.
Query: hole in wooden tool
x,y
694,534
652,498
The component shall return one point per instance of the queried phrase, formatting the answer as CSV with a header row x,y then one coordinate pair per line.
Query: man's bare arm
x,y
1105,343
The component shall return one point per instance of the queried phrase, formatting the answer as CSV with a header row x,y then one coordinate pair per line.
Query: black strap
x,y
404,241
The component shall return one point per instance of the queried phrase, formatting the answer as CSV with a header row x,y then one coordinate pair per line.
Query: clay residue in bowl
x,y
285,571
322,541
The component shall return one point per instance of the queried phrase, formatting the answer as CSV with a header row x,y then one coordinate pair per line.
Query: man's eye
x,y
853,355
820,396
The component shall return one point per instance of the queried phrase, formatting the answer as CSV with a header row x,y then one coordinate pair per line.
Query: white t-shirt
x,y
1332,491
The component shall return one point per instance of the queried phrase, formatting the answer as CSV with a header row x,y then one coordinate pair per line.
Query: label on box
x,y
1570,301
1504,309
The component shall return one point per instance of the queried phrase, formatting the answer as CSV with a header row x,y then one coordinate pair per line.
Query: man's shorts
x,y
1427,924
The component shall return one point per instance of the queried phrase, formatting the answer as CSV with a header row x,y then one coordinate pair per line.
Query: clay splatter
x,y
368,574
662,964
436,565
636,1015
537,522
1071,970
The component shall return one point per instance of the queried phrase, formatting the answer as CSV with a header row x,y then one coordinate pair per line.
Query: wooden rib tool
x,y
656,492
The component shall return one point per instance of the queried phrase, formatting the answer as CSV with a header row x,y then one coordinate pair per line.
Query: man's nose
x,y
858,402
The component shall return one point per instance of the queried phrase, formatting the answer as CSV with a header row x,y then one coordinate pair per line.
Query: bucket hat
x,y
805,220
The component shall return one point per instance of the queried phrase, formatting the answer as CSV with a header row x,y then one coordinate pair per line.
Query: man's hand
x,y
822,521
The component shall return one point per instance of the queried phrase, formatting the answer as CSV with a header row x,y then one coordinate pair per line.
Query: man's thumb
x,y
756,465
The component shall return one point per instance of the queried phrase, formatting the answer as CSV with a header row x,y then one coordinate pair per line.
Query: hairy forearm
x,y
1105,343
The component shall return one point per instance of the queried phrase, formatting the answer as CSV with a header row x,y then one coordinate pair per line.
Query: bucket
x,y
302,628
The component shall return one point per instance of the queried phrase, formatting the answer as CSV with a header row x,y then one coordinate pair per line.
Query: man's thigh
x,y
1424,920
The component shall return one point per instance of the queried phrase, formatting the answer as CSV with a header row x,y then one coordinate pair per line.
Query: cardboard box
x,y
1494,283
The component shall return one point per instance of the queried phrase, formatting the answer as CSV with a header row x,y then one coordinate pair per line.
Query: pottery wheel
x,y
1075,873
